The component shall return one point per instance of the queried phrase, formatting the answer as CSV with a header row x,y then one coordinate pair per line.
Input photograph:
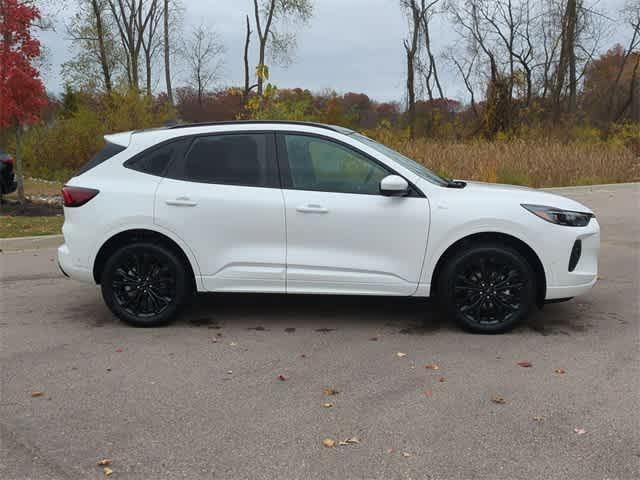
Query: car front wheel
x,y
144,284
487,288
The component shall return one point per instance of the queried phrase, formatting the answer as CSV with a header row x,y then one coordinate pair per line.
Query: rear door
x,y
224,200
343,236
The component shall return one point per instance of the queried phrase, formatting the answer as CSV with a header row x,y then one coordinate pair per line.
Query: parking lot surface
x,y
236,388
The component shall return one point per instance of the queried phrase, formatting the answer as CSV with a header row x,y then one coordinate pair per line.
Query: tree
x,y
203,56
431,68
415,11
166,46
133,18
95,64
21,89
265,13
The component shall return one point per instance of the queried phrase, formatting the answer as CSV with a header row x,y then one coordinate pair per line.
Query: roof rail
x,y
334,128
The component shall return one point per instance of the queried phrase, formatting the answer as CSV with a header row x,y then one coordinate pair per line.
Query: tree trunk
x,y
104,62
167,57
246,61
19,171
411,93
261,63
147,60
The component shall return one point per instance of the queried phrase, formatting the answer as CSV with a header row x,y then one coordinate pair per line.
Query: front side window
x,y
237,159
322,165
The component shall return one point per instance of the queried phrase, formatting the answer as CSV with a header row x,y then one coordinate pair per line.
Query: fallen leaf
x,y
37,393
580,431
374,339
329,442
498,399
406,454
119,350
560,371
428,393
401,355
349,441
282,378
302,355
432,366
105,461
538,419
525,364
327,405
442,379
107,471
290,329
331,391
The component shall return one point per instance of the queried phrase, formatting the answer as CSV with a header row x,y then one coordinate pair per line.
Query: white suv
x,y
290,207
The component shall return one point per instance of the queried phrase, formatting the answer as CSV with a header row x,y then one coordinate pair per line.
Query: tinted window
x,y
156,160
240,159
318,164
109,150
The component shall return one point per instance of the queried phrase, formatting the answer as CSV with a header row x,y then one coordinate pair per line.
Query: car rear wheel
x,y
144,284
487,288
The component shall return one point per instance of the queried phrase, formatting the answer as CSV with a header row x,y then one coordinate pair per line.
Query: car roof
x,y
152,135
335,128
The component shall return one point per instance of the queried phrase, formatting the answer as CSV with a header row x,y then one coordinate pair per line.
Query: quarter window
x,y
323,165
238,159
156,160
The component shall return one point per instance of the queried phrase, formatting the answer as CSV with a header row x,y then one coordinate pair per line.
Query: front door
x,y
224,200
343,236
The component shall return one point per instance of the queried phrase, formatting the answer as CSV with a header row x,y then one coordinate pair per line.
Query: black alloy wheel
x,y
488,289
144,284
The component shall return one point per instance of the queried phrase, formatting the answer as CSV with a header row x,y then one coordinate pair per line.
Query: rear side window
x,y
109,150
246,159
156,160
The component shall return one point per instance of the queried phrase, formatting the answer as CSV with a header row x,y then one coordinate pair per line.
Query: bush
x,y
53,151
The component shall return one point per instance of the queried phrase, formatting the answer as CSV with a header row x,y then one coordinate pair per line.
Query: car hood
x,y
525,195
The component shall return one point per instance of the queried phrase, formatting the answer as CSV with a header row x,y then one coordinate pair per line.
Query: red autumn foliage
x,y
21,89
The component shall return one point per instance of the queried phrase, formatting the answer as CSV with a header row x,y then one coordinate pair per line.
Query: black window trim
x,y
274,178
285,175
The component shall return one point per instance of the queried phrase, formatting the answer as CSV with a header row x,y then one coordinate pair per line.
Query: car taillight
x,y
77,196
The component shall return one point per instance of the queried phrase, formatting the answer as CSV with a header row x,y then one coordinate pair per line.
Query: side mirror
x,y
394,186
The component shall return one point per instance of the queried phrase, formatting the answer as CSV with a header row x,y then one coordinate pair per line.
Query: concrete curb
x,y
30,243
54,241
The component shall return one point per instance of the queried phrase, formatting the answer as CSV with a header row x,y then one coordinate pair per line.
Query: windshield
x,y
406,162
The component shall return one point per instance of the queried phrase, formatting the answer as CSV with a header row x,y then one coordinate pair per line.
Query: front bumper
x,y
563,283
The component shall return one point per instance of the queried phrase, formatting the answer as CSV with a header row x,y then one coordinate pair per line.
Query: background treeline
x,y
550,101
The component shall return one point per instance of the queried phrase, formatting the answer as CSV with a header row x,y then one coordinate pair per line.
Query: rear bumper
x,y
71,270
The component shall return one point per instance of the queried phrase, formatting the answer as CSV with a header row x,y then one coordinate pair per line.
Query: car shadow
x,y
412,316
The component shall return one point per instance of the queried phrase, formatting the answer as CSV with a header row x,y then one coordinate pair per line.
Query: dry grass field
x,y
535,164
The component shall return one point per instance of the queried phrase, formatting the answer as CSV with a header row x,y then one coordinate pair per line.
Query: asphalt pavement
x,y
236,388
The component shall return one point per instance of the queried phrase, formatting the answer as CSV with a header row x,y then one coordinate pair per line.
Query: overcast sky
x,y
349,45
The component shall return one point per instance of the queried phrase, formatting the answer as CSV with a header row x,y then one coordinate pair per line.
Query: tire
x,y
487,288
145,284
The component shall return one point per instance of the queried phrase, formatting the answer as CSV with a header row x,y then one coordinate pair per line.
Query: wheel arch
x,y
502,239
127,237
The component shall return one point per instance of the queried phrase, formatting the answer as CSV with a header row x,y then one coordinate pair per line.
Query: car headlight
x,y
559,216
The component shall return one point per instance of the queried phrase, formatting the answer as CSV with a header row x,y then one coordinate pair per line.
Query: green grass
x,y
11,227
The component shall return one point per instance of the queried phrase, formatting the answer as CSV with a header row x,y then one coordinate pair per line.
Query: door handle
x,y
181,202
312,208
